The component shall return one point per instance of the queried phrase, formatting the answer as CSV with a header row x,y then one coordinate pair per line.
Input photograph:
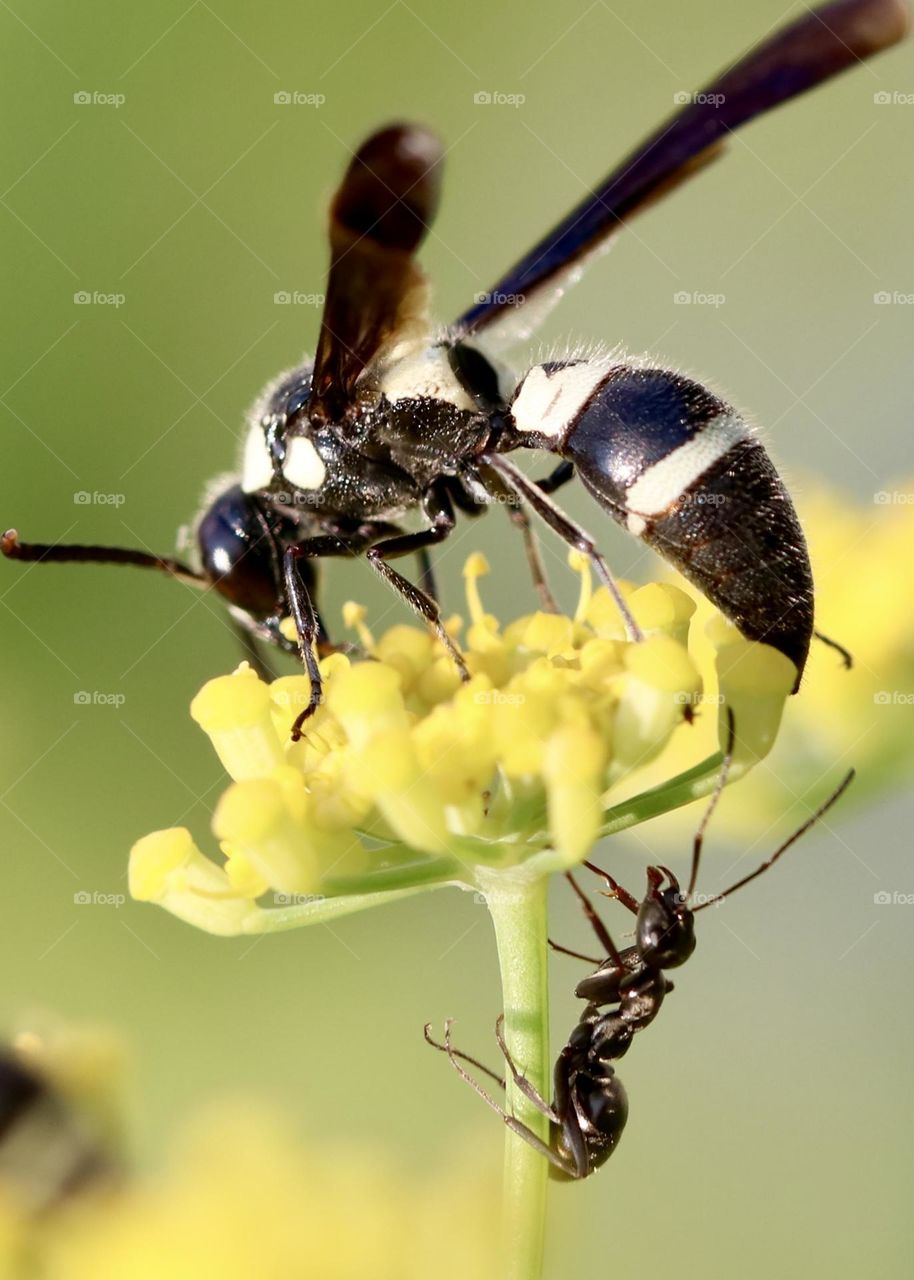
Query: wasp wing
x,y
376,294
817,46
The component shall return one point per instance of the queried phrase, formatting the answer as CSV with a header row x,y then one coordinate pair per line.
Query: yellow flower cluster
x,y
405,776
861,555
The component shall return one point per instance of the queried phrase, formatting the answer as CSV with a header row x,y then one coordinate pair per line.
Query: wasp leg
x,y
304,614
438,508
526,491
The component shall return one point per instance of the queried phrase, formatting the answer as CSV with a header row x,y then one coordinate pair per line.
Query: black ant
x,y
624,995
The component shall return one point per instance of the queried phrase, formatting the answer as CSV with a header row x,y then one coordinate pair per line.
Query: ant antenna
x,y
712,803
800,831
847,657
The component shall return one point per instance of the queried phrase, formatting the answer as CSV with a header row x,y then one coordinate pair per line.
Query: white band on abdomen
x,y
667,480
548,403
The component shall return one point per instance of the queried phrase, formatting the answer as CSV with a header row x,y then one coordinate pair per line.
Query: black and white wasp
x,y
50,1150
623,996
389,421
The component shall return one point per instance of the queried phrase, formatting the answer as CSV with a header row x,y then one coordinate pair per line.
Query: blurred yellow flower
x,y
406,777
862,555
238,1198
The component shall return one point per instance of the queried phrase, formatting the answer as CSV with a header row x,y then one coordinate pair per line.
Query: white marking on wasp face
x,y
256,464
667,480
428,374
548,403
303,466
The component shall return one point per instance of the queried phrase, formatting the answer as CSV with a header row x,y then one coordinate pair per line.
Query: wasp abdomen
x,y
680,468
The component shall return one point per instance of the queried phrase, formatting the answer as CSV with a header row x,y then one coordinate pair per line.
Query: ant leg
x,y
464,1057
527,491
577,955
512,1122
846,656
615,890
438,508
596,923
526,1088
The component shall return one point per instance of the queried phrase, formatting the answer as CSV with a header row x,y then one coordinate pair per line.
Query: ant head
x,y
241,552
665,929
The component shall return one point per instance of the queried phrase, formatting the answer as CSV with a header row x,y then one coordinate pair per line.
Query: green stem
x,y
517,903
320,910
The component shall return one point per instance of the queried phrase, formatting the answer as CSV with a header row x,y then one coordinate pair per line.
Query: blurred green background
x,y
770,1128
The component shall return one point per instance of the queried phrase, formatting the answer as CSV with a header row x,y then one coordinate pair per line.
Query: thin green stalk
x,y
517,903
